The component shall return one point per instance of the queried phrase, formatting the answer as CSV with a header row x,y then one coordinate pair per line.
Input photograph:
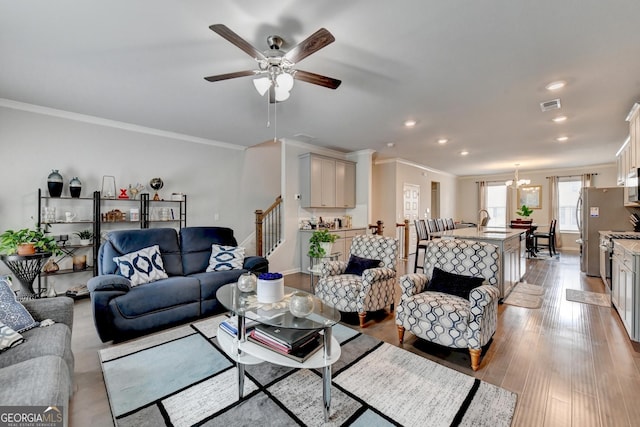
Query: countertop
x,y
334,229
487,233
630,245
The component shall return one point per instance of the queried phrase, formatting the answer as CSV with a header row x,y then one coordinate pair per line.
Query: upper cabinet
x,y
628,157
327,182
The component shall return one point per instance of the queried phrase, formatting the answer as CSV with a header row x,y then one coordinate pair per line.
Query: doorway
x,y
411,203
435,199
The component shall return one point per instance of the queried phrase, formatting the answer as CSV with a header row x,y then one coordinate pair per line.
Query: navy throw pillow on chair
x,y
453,284
358,265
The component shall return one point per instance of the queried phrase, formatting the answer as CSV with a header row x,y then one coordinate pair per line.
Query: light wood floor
x,y
571,364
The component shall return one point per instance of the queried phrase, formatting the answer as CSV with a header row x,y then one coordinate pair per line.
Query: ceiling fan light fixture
x,y
284,81
281,94
262,85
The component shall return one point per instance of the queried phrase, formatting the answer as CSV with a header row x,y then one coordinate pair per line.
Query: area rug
x,y
525,295
587,297
182,377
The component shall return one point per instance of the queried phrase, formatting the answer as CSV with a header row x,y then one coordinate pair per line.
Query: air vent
x,y
554,104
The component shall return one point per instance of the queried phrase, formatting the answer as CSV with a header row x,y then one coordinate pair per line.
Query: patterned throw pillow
x,y
8,337
12,313
142,266
226,258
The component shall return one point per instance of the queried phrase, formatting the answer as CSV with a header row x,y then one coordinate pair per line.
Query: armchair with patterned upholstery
x,y
446,319
370,291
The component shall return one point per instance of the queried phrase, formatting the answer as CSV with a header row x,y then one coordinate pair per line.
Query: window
x,y
497,205
568,194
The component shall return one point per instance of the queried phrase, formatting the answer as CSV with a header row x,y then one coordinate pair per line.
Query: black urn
x,y
75,187
54,183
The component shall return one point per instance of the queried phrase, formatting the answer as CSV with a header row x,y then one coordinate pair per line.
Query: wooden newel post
x,y
259,217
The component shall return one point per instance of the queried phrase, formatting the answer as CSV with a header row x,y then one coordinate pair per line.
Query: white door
x,y
411,205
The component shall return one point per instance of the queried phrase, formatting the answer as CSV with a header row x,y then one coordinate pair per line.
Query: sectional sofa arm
x,y
256,264
60,310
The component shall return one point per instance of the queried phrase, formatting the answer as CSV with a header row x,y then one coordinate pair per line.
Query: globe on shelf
x,y
156,184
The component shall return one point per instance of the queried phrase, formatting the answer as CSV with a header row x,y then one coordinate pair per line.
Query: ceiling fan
x,y
277,67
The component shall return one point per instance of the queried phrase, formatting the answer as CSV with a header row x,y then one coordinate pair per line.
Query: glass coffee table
x,y
244,352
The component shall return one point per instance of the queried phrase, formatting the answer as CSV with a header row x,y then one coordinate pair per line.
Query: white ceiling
x,y
471,71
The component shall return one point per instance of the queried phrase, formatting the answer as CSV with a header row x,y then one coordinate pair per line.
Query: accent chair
x,y
371,290
444,318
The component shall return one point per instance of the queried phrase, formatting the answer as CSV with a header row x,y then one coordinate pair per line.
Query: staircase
x,y
269,228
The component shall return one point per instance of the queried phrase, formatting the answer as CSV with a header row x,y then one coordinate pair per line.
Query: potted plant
x,y
27,241
320,243
524,211
85,237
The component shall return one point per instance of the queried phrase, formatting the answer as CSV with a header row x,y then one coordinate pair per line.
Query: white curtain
x,y
586,180
509,204
482,194
554,206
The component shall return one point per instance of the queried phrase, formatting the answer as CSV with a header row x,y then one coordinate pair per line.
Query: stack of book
x,y
296,344
231,325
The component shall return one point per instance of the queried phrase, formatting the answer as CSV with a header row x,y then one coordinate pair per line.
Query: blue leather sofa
x,y
121,311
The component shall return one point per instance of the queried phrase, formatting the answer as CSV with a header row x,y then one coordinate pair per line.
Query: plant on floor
x,y
524,211
12,241
321,236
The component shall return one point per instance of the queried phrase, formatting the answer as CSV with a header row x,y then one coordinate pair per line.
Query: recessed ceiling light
x,y
559,119
410,123
556,85
443,141
390,144
464,152
562,138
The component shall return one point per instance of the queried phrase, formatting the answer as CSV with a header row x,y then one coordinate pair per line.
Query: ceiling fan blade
x,y
230,75
311,44
317,79
232,37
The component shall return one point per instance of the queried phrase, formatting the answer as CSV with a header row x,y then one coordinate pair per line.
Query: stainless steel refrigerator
x,y
599,209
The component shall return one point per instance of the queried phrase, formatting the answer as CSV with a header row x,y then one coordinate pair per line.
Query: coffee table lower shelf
x,y
253,354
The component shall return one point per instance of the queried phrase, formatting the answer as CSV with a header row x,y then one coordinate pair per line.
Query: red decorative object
x,y
123,194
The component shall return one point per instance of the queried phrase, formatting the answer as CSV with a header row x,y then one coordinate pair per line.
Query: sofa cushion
x,y
196,242
121,242
142,266
9,338
12,313
225,258
160,295
54,340
42,381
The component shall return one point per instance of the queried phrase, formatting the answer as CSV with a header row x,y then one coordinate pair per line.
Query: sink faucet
x,y
483,221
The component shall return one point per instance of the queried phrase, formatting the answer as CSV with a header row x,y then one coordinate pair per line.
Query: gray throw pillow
x,y
12,313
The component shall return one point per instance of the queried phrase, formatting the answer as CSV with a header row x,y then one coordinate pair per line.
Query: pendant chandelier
x,y
516,182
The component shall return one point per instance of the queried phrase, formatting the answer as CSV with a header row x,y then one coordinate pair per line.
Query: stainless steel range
x,y
606,251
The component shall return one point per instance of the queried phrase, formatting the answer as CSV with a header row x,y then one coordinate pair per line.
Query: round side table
x,y
316,263
26,268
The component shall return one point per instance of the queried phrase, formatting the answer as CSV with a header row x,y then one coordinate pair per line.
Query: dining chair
x,y
450,224
440,224
431,226
422,237
549,236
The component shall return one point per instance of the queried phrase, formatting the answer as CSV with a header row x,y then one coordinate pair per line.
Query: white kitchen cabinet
x,y
624,285
327,182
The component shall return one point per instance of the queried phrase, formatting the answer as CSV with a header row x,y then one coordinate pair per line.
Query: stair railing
x,y
269,228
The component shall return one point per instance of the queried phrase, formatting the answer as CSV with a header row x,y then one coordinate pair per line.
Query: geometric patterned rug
x,y
587,297
182,377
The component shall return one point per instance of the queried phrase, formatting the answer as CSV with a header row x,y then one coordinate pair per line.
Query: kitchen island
x,y
511,243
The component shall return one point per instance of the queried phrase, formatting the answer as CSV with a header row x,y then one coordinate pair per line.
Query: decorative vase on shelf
x,y
55,183
75,187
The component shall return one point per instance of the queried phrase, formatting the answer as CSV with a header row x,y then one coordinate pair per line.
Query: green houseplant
x,y
524,211
85,236
12,242
317,238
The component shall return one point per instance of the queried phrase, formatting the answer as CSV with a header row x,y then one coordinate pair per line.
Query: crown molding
x,y
47,111
413,164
